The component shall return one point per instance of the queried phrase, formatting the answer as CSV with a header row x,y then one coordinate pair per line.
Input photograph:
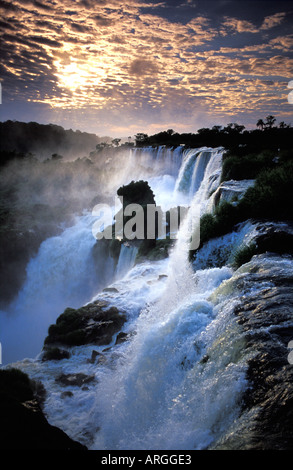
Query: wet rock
x,y
55,354
94,355
231,191
266,317
78,379
23,424
275,238
94,323
121,337
110,289
66,394
97,357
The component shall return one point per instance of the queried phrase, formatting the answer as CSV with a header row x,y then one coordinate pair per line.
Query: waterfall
x,y
160,160
186,170
154,399
126,259
62,274
173,384
192,170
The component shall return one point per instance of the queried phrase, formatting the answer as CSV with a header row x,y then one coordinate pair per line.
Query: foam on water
x,y
176,382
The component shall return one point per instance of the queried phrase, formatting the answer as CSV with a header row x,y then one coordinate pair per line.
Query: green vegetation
x,y
136,192
222,221
244,255
247,166
139,192
271,196
238,166
37,197
269,199
233,137
157,252
19,139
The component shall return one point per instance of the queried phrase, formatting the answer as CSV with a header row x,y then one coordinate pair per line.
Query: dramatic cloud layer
x,y
120,67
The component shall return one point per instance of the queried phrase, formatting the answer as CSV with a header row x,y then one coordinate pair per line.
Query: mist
x,y
47,260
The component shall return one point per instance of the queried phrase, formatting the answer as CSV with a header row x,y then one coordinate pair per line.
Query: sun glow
x,y
81,81
72,76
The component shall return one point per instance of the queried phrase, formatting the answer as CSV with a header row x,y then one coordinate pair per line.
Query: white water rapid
x,y
172,384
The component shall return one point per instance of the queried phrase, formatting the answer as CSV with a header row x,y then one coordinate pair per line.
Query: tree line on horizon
x,y
18,139
232,136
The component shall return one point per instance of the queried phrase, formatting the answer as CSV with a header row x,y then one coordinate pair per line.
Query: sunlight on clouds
x,y
273,20
71,76
116,58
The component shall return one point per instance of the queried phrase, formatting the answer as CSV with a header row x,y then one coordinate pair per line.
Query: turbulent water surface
x,y
178,381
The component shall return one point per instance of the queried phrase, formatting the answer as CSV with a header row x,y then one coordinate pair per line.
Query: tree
x,y
233,127
260,124
270,121
203,130
56,156
102,145
116,142
283,125
140,138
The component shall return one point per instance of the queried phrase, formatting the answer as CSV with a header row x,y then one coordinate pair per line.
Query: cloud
x,y
142,67
244,26
284,43
273,20
5,25
102,57
45,41
235,25
41,5
8,6
102,20
80,28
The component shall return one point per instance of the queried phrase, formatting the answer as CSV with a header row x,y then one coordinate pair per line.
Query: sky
x,y
115,67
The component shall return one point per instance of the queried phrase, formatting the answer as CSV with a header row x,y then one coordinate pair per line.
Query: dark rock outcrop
x,y
275,238
265,313
55,354
23,424
94,323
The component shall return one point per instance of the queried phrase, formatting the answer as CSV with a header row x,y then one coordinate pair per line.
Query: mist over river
x,y
177,373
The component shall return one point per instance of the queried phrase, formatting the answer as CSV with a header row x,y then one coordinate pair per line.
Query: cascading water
x,y
157,390
192,170
126,259
152,387
62,274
